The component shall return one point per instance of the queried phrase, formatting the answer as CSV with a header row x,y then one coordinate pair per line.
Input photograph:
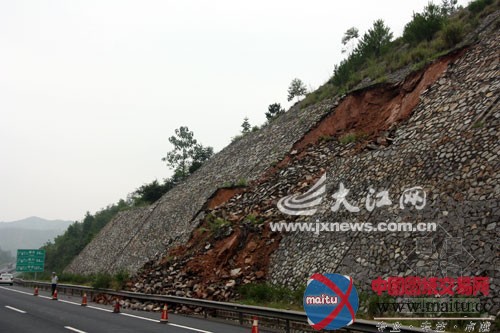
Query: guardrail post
x,y
287,326
240,317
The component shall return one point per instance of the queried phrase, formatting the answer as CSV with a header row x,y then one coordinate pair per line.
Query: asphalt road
x,y
20,312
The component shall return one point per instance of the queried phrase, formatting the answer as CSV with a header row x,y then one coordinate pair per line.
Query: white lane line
x,y
60,300
74,329
157,321
14,309
190,328
69,302
25,293
139,317
125,314
96,308
17,291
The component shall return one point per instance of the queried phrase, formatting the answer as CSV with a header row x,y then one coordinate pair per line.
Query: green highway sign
x,y
30,260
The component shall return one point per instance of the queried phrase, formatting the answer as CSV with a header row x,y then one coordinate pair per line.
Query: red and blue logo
x,y
330,301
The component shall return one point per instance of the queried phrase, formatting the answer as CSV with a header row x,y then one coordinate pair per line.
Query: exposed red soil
x,y
249,251
209,258
222,195
372,110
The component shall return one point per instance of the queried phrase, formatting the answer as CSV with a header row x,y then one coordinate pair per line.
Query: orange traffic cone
x,y
84,299
164,315
116,309
36,292
255,325
54,295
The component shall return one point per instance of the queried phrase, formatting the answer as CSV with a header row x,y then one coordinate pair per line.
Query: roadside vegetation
x,y
373,56
187,156
99,281
268,295
430,34
60,252
352,137
370,58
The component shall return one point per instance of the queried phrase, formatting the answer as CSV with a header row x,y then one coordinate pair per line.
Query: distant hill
x,y
31,232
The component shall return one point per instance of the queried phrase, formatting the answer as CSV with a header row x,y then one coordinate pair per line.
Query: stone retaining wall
x,y
450,147
169,221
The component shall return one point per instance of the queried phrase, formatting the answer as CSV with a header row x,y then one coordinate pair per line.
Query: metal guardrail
x,y
288,316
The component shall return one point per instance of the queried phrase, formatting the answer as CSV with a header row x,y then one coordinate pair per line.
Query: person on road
x,y
54,282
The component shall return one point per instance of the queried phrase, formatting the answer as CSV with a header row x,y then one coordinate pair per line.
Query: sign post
x,y
30,260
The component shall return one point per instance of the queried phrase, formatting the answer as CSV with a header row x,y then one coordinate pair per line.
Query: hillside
x,y
433,128
29,233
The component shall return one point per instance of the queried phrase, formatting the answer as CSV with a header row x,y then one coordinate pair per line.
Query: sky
x,y
90,91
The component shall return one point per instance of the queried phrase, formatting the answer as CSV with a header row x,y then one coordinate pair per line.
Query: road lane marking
x,y
60,300
107,310
69,302
74,329
157,321
15,309
96,308
25,293
139,317
190,328
17,291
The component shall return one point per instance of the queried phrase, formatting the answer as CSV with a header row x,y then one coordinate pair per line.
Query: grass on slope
x,y
400,53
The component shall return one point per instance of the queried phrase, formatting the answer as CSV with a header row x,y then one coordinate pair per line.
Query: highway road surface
x,y
20,312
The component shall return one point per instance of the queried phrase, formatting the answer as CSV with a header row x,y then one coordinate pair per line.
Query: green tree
x,y
245,126
200,155
477,6
375,40
274,110
296,89
349,37
179,158
187,155
149,193
88,222
424,25
448,6
373,43
67,246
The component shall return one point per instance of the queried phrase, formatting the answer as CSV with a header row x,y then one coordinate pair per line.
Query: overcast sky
x,y
90,91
